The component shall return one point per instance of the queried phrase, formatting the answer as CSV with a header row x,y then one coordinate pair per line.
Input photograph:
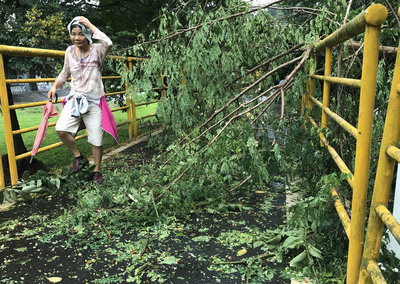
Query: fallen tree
x,y
232,121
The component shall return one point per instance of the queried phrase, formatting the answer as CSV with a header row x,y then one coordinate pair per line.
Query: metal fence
x,y
362,256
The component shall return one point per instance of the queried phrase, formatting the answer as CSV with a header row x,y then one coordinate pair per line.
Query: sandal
x,y
79,163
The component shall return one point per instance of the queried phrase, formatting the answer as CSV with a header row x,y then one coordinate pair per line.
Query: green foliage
x,y
45,29
201,63
184,182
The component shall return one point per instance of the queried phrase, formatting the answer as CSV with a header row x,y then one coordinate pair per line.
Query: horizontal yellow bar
x,y
19,81
59,101
375,15
26,51
390,222
55,145
120,108
393,152
49,147
344,217
38,80
347,31
335,156
146,116
111,77
375,273
130,58
30,129
338,80
123,123
343,123
115,93
147,103
37,52
35,104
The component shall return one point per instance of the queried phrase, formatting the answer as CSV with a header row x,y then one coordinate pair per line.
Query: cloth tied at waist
x,y
79,103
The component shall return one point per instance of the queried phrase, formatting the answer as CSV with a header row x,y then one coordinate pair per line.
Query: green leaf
x,y
256,244
314,251
13,195
241,252
298,258
28,188
25,196
170,260
21,249
292,242
202,239
275,240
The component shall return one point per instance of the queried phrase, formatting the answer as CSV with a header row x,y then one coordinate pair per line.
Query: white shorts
x,y
91,119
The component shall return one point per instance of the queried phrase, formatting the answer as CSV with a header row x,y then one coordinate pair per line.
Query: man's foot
x,y
97,177
79,163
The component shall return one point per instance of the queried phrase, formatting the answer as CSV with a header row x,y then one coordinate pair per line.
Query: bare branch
x,y
178,33
269,61
394,13
262,78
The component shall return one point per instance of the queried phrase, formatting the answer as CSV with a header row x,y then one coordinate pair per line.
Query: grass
x,y
61,156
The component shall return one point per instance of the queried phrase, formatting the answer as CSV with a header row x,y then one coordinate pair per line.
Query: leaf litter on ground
x,y
175,250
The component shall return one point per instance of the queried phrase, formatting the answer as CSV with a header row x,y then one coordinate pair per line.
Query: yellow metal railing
x,y
130,106
367,22
379,215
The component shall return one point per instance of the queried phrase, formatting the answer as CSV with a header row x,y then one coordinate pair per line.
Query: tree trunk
x,y
33,86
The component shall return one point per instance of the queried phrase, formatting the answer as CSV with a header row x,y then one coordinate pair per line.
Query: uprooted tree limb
x,y
273,97
279,92
270,99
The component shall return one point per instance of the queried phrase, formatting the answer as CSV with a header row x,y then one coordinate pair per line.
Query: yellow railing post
x,y
374,17
183,82
128,100
325,100
306,103
162,85
2,182
7,124
384,174
133,108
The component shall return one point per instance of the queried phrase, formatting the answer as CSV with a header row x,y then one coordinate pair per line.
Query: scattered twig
x,y
307,10
285,81
229,191
178,178
266,63
262,78
146,243
394,13
154,203
108,233
265,255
